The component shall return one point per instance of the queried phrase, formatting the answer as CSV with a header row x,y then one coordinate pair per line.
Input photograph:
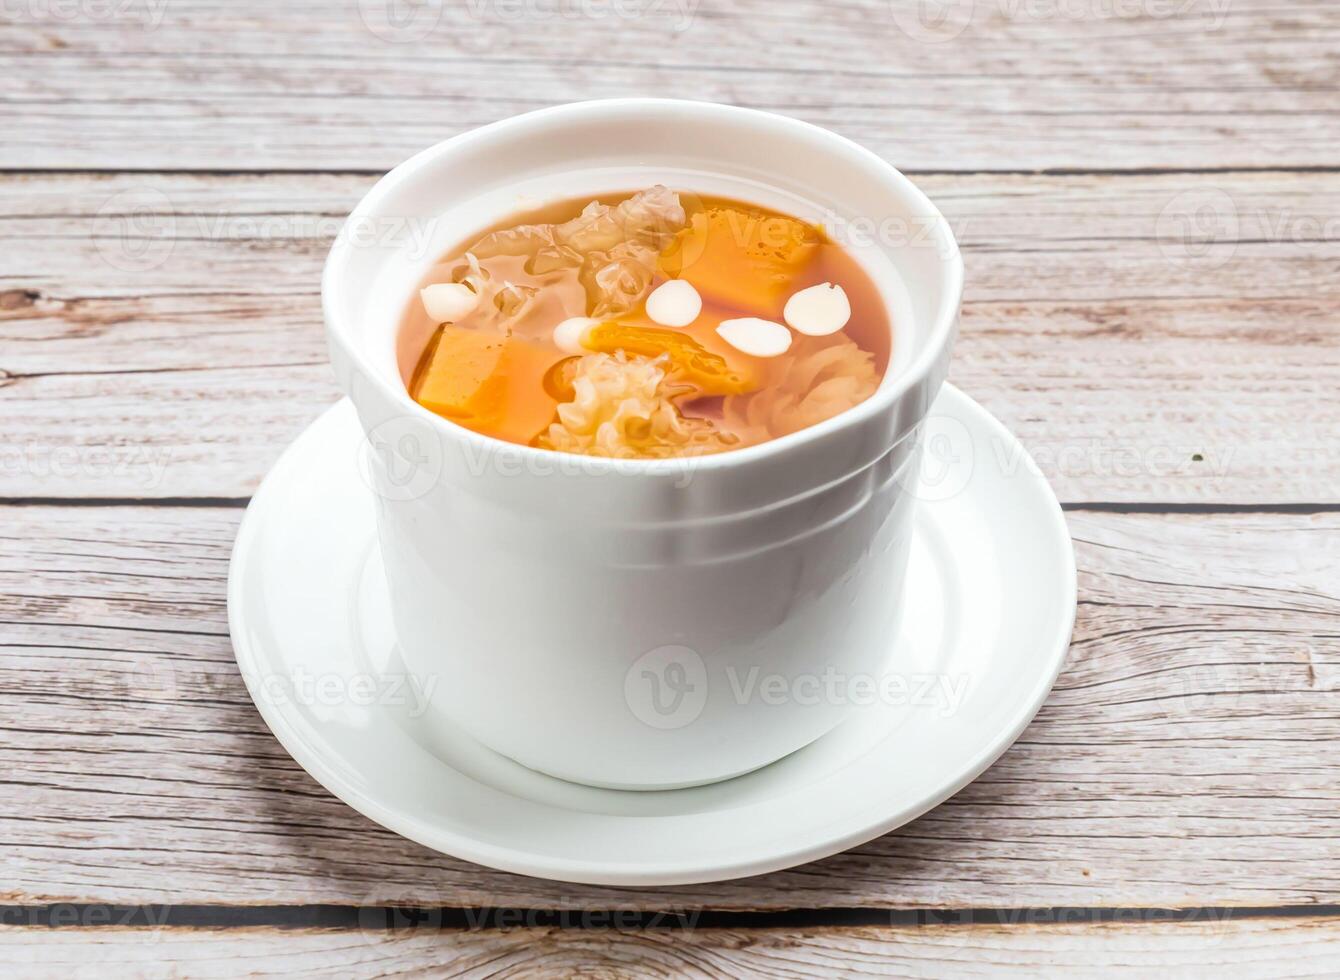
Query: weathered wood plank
x,y
1269,948
1185,759
160,335
1012,84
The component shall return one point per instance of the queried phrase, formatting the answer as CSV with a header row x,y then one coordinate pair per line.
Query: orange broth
x,y
509,381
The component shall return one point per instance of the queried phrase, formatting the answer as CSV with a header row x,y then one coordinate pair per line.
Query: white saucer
x,y
991,606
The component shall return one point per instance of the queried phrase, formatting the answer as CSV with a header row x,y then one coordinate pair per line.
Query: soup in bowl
x,y
647,325
640,412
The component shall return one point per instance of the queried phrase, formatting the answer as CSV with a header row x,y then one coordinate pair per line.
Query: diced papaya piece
x,y
740,257
690,362
487,381
463,381
528,407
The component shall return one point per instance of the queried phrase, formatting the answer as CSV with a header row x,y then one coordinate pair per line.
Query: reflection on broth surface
x,y
647,325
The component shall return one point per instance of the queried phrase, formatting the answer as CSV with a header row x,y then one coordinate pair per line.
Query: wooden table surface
x,y
1148,197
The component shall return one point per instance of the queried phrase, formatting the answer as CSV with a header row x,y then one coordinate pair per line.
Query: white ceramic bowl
x,y
614,622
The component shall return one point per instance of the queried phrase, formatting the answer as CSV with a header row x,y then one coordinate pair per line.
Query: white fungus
x,y
818,310
755,337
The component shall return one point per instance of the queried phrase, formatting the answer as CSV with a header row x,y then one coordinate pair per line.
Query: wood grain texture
x,y
1186,757
160,335
1002,84
1154,338
1268,949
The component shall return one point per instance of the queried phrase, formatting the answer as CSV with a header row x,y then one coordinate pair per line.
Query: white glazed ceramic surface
x,y
990,600
595,620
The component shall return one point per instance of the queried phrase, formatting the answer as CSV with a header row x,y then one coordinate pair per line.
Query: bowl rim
x,y
933,347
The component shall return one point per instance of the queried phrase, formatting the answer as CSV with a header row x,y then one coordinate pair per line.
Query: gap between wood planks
x,y
452,919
